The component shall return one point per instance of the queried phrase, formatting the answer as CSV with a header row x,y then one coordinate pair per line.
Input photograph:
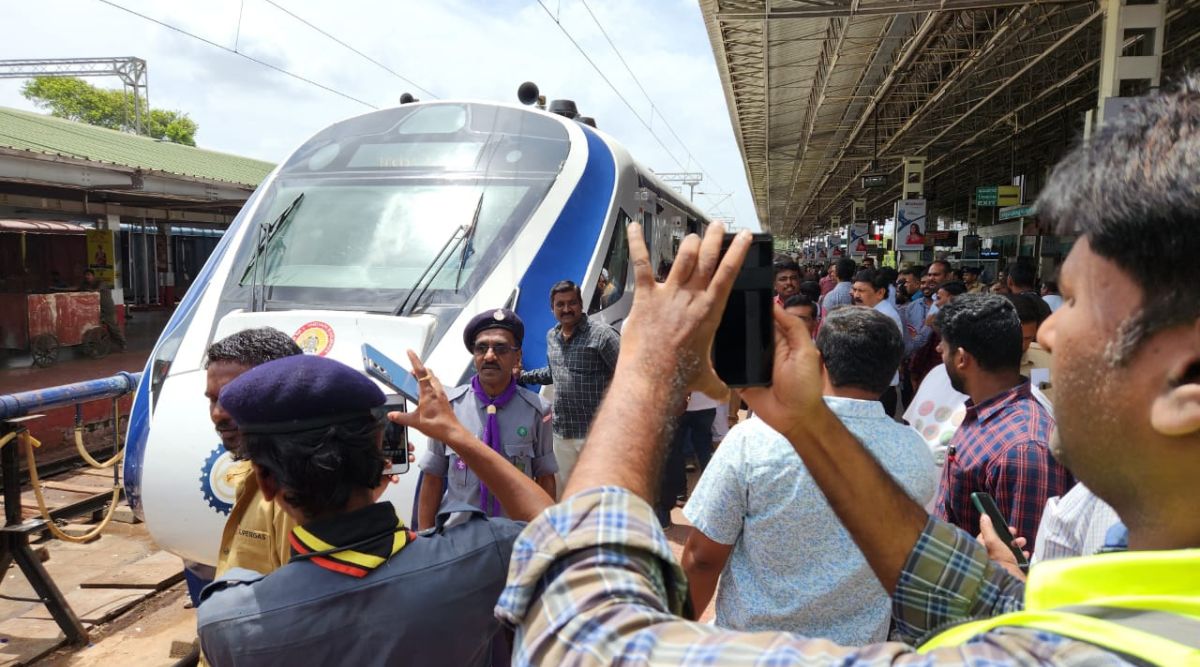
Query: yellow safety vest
x,y
1144,604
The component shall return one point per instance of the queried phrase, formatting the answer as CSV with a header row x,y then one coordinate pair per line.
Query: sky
x,y
453,49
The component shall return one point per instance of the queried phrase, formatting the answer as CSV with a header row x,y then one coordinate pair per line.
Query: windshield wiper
x,y
267,233
430,272
468,243
462,233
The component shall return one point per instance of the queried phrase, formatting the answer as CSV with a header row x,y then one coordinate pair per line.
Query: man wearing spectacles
x,y
512,420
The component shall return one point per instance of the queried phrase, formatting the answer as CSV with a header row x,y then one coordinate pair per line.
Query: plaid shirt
x,y
1002,448
580,369
592,581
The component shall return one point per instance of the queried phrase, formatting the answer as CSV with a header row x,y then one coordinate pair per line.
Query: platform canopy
x,y
824,92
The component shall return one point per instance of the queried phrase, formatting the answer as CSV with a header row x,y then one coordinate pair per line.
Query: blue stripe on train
x,y
568,247
139,415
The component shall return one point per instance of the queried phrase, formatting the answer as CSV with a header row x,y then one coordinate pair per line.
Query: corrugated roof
x,y
41,227
23,130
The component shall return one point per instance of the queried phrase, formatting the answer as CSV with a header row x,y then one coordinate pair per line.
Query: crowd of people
x,y
827,529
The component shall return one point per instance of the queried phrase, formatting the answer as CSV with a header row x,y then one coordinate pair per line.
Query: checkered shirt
x,y
1002,448
580,369
592,582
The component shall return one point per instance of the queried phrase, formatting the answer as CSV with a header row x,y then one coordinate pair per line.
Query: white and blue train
x,y
393,228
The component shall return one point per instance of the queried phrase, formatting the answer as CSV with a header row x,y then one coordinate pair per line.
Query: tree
x,y
75,99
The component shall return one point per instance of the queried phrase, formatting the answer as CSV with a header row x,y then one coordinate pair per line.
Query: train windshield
x,y
355,219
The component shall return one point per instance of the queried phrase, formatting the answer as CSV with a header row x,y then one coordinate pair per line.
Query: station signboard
x,y
1017,212
998,195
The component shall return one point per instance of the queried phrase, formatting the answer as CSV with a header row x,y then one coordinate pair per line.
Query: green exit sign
x,y
997,195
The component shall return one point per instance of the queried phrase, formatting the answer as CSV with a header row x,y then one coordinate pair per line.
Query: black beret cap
x,y
500,318
299,393
971,269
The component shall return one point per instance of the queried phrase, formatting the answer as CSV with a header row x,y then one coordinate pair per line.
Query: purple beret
x,y
499,318
299,393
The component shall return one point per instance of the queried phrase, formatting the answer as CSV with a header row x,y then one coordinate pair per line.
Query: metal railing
x,y
15,411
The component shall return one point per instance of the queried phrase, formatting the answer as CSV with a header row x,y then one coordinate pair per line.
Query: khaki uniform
x,y
256,533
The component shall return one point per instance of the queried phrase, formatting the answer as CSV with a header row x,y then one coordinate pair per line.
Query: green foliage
x,y
75,99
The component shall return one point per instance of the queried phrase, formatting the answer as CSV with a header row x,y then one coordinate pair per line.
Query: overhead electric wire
x,y
366,57
622,97
596,67
239,53
653,107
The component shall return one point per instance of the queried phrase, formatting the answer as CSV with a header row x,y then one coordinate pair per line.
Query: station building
x,y
143,214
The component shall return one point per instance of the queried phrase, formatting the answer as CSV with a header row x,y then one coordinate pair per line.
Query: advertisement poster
x,y
910,224
101,256
857,242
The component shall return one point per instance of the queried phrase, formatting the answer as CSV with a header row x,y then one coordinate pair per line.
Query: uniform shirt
x,y
594,582
1002,448
256,532
430,603
757,495
580,369
525,432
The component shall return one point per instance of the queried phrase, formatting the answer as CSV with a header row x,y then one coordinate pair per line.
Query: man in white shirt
x,y
784,560
870,289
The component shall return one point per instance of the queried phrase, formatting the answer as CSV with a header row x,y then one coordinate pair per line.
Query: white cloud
x,y
474,49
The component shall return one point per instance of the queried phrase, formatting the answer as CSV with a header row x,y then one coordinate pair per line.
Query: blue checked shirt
x,y
592,581
916,331
580,369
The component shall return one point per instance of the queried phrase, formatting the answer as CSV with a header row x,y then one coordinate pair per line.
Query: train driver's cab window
x,y
611,284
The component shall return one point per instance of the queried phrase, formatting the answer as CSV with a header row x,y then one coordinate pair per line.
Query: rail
x,y
15,411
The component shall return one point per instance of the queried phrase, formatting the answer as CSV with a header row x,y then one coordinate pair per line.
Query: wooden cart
x,y
42,323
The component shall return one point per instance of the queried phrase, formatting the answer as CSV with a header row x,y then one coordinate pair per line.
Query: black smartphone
x,y
986,504
744,348
395,440
381,367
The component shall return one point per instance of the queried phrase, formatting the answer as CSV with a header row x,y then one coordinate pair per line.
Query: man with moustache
x,y
581,357
512,420
255,535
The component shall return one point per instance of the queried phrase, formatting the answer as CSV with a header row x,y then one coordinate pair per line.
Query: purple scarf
x,y
491,434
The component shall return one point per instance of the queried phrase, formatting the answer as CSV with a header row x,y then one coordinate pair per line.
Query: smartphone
x,y
986,504
395,440
395,437
744,348
381,367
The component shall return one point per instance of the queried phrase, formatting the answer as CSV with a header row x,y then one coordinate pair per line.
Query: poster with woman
x,y
910,224
857,242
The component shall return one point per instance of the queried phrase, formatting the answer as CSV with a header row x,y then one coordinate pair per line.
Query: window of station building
x,y
612,281
1137,42
1134,87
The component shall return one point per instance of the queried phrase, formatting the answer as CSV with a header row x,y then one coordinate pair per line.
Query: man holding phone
x,y
510,419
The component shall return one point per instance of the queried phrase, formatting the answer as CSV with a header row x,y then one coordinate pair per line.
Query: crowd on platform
x,y
841,521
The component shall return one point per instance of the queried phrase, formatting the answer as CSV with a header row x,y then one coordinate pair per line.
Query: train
x,y
394,228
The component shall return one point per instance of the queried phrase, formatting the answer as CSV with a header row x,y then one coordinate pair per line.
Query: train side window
x,y
613,276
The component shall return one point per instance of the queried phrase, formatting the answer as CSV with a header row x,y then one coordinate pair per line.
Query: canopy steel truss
x,y
823,92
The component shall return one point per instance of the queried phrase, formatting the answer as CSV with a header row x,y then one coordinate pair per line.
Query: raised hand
x,y
433,417
671,327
